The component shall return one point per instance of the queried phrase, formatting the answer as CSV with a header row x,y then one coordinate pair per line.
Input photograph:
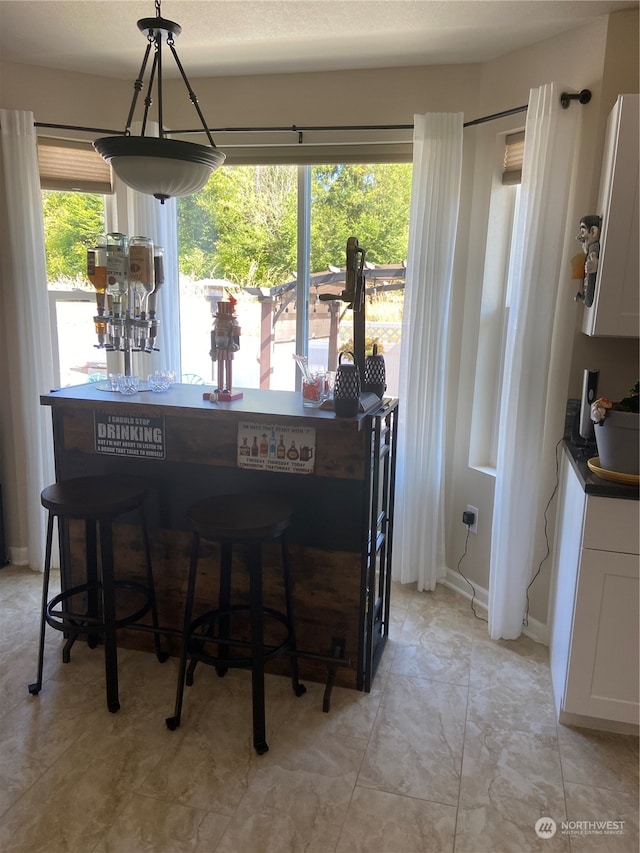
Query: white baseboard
x,y
18,556
537,631
596,723
457,583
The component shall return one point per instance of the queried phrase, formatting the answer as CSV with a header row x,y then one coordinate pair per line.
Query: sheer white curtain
x,y
536,364
136,214
25,310
418,548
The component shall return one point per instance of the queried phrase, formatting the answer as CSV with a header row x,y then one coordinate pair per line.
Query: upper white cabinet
x,y
615,311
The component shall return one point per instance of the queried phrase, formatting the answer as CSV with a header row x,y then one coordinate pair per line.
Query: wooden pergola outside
x,y
278,309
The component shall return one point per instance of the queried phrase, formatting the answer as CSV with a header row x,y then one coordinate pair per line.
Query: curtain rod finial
x,y
583,97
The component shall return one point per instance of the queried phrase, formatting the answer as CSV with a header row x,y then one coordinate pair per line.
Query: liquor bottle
x,y
97,272
254,447
282,450
141,272
272,445
292,452
245,450
116,270
158,273
97,275
264,446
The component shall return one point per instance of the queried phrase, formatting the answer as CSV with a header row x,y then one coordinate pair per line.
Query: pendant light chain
x,y
159,165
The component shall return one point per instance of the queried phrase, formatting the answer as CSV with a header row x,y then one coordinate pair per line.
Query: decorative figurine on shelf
x,y
589,236
225,340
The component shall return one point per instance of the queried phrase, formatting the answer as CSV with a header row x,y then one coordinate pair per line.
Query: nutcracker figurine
x,y
225,340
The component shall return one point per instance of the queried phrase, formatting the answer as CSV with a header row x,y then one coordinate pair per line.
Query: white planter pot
x,y
618,438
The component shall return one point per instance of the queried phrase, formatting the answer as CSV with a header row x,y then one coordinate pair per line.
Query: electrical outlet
x,y
473,528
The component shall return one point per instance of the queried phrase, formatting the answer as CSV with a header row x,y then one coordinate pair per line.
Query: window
x,y
72,221
275,236
497,287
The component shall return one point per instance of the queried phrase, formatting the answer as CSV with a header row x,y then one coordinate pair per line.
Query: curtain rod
x,y
582,97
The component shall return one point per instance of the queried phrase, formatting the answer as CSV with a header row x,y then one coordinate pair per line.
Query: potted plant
x,y
617,432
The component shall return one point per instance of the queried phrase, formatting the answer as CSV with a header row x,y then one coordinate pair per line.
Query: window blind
x,y
258,148
73,166
513,154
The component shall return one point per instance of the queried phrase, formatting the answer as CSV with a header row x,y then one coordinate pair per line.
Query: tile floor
x,y
455,749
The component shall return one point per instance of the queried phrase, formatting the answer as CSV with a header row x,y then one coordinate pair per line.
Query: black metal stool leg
x,y
91,551
226,558
34,688
109,615
257,648
298,689
160,654
174,722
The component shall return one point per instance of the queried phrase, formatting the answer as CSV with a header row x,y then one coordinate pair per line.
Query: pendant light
x,y
156,165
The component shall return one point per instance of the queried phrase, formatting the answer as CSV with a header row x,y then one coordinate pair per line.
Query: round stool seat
x,y
93,497
240,518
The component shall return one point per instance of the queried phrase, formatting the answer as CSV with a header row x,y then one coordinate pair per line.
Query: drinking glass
x,y
128,384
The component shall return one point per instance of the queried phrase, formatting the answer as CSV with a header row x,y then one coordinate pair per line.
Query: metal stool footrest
x,y
77,623
197,641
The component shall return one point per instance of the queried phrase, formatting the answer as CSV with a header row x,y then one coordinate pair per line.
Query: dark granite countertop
x,y
592,483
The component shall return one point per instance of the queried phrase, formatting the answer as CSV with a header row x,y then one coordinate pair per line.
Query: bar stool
x,y
249,521
90,608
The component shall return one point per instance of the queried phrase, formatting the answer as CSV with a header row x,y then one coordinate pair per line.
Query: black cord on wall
x,y
525,620
473,589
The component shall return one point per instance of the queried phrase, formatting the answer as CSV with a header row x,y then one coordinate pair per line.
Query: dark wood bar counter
x,y
339,474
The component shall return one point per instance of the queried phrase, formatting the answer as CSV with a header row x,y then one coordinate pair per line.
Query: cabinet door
x,y
604,663
615,310
566,562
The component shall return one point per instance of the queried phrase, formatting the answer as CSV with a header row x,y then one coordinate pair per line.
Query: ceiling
x,y
232,37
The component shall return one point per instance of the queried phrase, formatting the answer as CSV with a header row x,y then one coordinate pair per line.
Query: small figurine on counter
x,y
589,236
225,340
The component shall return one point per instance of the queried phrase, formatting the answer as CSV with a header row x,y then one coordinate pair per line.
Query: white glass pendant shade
x,y
164,168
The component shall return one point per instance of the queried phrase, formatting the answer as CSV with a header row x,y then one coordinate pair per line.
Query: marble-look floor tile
x,y
513,765
298,794
378,822
39,731
504,826
601,819
455,724
510,686
209,759
429,648
289,811
415,748
210,832
146,825
70,807
306,743
402,594
603,759
352,713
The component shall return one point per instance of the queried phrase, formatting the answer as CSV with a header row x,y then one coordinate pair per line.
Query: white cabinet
x,y
615,311
594,618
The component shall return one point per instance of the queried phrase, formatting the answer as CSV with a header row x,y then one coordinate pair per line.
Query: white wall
x,y
595,56
583,58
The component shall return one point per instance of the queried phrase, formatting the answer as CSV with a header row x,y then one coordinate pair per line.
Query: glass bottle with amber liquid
x,y
264,446
97,275
116,271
